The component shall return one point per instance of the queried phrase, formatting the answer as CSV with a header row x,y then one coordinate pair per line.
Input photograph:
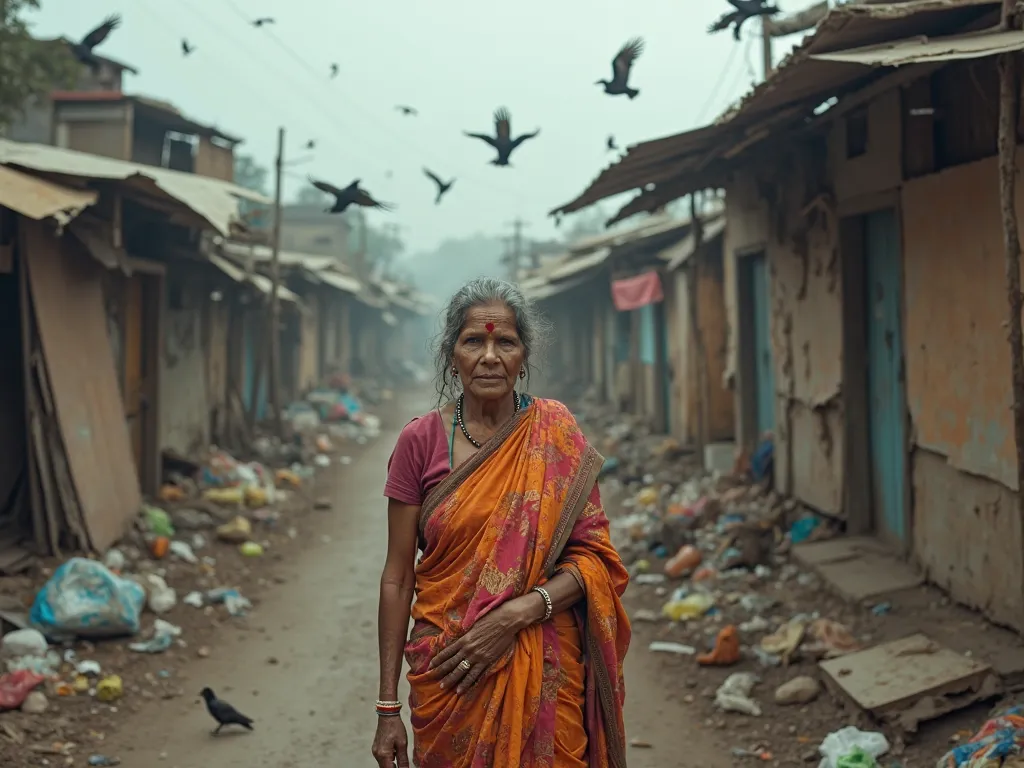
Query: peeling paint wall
x,y
966,523
184,413
309,356
785,213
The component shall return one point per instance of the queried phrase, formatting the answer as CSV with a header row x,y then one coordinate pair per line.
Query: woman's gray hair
x,y
530,326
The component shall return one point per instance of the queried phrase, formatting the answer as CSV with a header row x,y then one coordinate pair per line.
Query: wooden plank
x,y
28,342
67,295
51,501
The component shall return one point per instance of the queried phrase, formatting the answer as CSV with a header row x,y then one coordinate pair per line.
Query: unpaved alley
x,y
305,667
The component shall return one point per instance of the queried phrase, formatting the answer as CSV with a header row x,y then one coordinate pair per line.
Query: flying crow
x,y
350,195
622,64
502,141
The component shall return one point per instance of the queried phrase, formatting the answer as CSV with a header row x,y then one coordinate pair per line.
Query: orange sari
x,y
523,507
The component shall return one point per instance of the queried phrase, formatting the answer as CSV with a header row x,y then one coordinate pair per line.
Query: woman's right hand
x,y
391,743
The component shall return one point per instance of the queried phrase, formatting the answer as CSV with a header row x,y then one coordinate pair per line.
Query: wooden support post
x,y
274,379
696,335
1009,103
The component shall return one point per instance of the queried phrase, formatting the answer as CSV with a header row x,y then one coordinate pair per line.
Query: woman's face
x,y
489,354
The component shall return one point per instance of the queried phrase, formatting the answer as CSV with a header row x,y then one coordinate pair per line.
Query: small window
x,y
857,133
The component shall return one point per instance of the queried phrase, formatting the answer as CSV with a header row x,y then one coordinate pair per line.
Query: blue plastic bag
x,y
84,598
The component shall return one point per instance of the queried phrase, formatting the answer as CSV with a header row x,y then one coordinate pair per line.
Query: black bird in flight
x,y
83,50
334,71
187,49
612,146
311,144
407,110
223,712
621,66
502,141
442,187
350,195
743,10
261,22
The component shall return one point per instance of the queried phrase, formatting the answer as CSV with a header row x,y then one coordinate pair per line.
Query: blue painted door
x,y
886,403
764,363
249,373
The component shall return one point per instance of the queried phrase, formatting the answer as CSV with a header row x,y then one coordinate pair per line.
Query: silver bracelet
x,y
548,607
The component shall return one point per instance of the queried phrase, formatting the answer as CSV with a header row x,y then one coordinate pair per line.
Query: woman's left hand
x,y
481,646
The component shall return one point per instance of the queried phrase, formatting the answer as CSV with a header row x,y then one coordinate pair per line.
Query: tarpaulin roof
x,y
41,199
212,200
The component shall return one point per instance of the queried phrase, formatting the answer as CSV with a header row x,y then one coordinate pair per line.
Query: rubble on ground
x,y
758,648
84,638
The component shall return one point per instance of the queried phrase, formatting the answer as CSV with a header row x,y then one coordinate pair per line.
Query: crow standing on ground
x,y
83,50
502,141
223,712
622,64
744,9
350,195
442,187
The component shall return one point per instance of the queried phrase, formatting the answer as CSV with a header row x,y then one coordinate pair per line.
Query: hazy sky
x,y
456,61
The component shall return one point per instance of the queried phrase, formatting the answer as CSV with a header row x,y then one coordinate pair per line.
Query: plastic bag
x,y
845,741
84,598
16,686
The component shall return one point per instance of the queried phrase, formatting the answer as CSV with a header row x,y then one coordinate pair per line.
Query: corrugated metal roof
x,y
671,167
922,49
546,290
40,199
341,282
213,200
579,264
260,282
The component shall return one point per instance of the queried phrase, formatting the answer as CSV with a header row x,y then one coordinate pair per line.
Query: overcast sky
x,y
454,60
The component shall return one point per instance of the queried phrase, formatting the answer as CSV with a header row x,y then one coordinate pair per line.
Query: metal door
x,y
886,403
764,363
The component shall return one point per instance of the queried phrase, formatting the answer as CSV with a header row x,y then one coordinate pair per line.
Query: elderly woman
x,y
519,636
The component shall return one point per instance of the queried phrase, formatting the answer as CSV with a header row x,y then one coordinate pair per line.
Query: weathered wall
x,y
214,161
184,413
801,245
216,347
714,327
966,524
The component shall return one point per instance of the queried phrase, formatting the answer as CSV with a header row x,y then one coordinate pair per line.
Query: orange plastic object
x,y
685,560
160,546
726,651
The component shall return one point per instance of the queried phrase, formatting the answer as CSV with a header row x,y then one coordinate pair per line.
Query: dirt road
x,y
306,668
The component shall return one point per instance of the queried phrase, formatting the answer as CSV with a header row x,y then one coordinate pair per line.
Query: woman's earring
x,y
522,373
455,372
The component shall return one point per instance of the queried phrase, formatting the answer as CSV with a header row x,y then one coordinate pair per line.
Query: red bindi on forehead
x,y
489,327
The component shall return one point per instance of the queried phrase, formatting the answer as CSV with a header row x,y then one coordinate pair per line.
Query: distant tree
x,y
29,68
250,174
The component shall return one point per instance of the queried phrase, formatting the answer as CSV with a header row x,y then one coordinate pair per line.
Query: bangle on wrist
x,y
548,607
388,708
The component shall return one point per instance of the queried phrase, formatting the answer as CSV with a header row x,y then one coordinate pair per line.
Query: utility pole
x,y
516,256
766,46
275,300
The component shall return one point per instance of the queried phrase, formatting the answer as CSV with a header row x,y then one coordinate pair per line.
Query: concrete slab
x,y
857,567
909,680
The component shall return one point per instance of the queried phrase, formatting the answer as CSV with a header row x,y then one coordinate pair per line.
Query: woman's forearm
x,y
392,626
563,589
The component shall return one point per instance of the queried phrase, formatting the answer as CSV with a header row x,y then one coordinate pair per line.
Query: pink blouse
x,y
420,460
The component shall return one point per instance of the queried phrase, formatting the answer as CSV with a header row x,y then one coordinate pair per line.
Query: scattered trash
x,y
232,600
194,599
785,641
726,651
85,599
251,549
183,551
881,609
691,607
638,744
114,560
164,634
23,642
686,560
840,744
16,686
237,531
160,598
997,739
109,689
157,521
659,646
734,694
102,761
